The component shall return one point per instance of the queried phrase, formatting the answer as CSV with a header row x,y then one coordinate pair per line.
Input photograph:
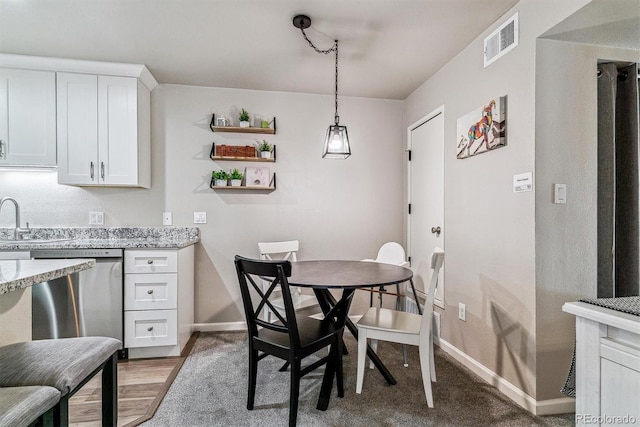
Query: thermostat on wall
x,y
523,182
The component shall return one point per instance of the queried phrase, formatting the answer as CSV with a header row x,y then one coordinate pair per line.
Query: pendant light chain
x,y
334,48
337,118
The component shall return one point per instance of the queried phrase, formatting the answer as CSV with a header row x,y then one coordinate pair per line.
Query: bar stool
x,y
66,364
26,406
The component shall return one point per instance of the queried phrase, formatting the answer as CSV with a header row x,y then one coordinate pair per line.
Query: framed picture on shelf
x,y
257,177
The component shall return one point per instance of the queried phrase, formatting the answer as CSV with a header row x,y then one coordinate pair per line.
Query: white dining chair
x,y
404,328
389,253
285,250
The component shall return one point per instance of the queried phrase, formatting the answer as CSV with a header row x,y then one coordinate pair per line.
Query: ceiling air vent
x,y
501,41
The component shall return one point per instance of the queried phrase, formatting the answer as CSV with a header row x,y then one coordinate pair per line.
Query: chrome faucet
x,y
18,232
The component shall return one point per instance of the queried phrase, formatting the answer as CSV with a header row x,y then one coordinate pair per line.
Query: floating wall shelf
x,y
237,129
272,159
269,189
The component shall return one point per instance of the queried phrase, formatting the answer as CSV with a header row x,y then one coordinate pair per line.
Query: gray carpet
x,y
211,390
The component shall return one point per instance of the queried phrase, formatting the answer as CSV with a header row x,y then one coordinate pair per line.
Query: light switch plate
x,y
167,218
199,217
96,218
560,193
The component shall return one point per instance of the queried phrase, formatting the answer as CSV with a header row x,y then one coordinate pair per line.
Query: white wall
x,y
336,208
489,230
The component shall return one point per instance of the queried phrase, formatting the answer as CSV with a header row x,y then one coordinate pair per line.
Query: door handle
x,y
102,170
436,231
91,170
3,155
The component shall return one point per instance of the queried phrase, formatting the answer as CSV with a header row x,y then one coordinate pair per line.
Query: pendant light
x,y
336,143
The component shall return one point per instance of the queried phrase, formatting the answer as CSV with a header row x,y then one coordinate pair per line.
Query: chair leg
x,y
426,372
432,361
110,392
339,370
405,358
374,347
253,372
294,393
362,354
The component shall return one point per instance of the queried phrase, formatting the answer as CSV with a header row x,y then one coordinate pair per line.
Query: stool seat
x,y
60,363
21,406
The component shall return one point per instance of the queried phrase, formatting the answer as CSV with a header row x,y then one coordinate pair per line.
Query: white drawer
x,y
150,261
150,328
151,291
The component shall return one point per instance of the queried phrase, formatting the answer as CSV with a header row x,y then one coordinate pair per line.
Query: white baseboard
x,y
222,326
542,407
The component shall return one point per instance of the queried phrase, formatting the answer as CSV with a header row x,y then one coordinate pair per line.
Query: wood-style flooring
x,y
142,384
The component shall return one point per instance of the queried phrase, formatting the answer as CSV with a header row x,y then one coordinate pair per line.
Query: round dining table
x,y
322,277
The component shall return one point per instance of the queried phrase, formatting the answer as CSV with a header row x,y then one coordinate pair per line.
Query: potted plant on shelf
x,y
220,178
236,178
244,118
265,149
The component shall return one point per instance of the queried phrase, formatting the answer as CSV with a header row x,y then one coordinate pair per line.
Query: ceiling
x,y
387,47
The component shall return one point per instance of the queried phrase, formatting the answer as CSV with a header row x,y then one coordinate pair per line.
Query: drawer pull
x,y
149,261
150,328
150,291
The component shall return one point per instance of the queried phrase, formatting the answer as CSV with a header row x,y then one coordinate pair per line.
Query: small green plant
x,y
236,174
220,175
265,146
244,115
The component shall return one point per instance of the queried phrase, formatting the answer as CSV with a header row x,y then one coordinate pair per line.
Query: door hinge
x,y
409,151
409,208
409,259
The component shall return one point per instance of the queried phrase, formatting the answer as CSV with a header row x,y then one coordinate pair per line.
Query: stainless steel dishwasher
x,y
87,303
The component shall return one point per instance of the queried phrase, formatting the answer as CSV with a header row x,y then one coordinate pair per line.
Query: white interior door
x,y
426,198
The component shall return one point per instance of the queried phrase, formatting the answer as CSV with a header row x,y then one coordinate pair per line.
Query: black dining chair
x,y
292,337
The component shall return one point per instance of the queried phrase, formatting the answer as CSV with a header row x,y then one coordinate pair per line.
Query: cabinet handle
x,y
150,328
150,291
102,170
91,170
3,155
149,261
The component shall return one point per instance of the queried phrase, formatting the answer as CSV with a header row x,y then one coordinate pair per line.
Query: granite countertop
x,y
19,274
94,238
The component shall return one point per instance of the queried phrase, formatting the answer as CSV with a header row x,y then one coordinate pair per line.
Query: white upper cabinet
x,y
27,117
96,115
103,130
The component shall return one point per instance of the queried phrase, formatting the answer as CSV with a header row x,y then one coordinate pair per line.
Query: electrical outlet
x,y
167,218
199,217
462,312
96,218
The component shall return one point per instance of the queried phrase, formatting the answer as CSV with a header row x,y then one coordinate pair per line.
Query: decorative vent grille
x,y
501,41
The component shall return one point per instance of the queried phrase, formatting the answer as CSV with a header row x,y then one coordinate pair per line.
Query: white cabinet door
x,y
118,130
99,138
77,128
27,117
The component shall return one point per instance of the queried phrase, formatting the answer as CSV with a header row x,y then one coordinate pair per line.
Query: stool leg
x,y
110,392
61,412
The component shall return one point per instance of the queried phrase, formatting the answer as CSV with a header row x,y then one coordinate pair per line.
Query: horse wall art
x,y
483,129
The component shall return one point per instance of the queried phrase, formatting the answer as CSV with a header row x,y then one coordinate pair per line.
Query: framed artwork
x,y
483,129
257,177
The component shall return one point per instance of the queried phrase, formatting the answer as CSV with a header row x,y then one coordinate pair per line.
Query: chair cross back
x,y
275,272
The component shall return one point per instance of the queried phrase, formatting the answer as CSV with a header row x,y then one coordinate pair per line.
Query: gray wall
x,y
336,208
566,152
490,234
